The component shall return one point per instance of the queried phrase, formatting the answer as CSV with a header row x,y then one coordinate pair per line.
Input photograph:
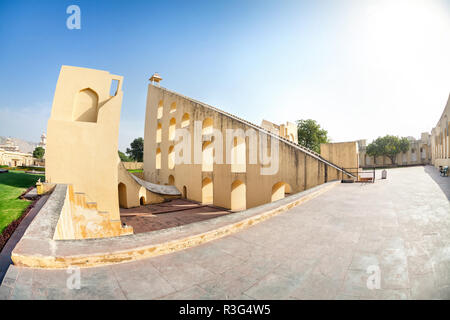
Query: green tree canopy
x,y
39,152
311,135
388,146
123,157
136,152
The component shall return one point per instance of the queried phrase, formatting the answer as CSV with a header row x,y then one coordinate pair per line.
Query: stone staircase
x,y
81,219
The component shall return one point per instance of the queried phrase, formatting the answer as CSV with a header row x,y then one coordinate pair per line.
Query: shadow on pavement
x,y
442,182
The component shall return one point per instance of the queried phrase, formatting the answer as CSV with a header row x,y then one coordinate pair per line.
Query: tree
x,y
123,157
372,151
136,152
39,152
388,146
311,135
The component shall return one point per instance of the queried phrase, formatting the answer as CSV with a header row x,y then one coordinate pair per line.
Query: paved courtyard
x,y
319,250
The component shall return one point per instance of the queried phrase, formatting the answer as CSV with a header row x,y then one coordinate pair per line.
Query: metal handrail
x,y
357,171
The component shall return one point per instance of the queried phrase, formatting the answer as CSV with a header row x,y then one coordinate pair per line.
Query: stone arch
x,y
207,191
172,125
446,137
159,111
207,126
279,190
207,156
173,107
158,158
122,195
238,196
158,132
184,193
171,158
171,180
185,120
287,189
86,106
238,158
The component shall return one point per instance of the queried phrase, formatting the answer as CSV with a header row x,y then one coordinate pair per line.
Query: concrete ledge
x,y
37,249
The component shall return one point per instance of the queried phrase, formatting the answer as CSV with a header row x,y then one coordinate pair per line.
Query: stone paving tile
x,y
361,261
444,293
5,292
191,293
442,272
424,287
333,263
141,280
10,278
47,278
183,275
59,294
419,265
227,286
394,277
317,286
257,267
398,294
22,292
12,273
355,284
273,286
295,269
340,296
214,260
25,276
98,283
8,282
239,248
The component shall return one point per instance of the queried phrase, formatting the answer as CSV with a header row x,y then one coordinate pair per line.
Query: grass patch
x,y
135,170
12,185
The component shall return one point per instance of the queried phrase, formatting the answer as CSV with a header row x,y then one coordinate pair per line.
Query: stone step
x,y
80,199
91,205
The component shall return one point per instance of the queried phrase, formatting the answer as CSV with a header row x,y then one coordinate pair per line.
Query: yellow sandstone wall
x,y
297,171
80,219
343,154
82,143
440,139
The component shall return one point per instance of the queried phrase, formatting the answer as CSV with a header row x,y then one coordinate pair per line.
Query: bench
x,y
443,171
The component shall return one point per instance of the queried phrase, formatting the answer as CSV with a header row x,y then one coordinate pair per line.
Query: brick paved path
x,y
168,214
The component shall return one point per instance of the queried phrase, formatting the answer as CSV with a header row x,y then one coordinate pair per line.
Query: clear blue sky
x,y
360,68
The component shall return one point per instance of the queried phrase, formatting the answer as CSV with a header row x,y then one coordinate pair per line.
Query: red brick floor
x,y
168,214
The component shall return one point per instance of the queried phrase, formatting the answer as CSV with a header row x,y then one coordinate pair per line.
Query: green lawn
x,y
135,170
12,184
